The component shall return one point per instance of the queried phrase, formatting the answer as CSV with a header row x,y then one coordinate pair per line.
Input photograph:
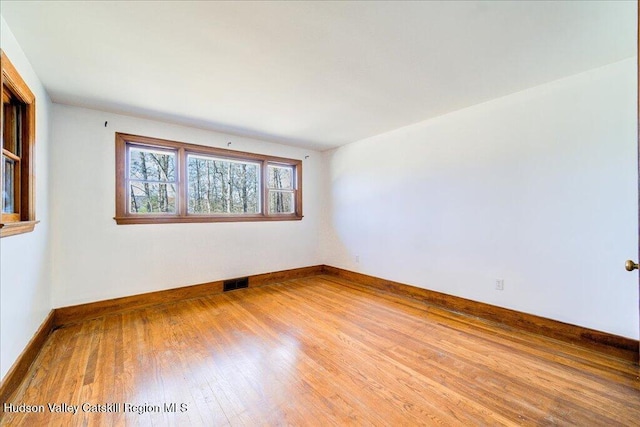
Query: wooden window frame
x,y
14,87
182,149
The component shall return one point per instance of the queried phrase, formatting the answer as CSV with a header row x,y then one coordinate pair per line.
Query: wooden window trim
x,y
12,228
182,149
25,221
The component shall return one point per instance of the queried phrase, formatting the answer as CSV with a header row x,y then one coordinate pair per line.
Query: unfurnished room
x,y
314,213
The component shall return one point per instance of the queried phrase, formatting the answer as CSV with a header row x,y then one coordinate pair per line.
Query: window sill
x,y
13,228
202,219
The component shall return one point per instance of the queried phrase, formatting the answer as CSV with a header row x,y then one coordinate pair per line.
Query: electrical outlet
x,y
357,259
499,284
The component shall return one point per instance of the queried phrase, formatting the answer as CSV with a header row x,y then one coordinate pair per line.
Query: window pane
x,y
281,177
218,186
152,165
8,185
12,127
281,202
152,198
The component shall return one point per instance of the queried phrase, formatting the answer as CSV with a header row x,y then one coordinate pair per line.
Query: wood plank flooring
x,y
318,351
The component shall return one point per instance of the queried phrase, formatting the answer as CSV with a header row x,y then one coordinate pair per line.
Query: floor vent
x,y
233,284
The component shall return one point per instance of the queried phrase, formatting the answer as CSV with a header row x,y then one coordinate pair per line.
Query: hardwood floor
x,y
319,351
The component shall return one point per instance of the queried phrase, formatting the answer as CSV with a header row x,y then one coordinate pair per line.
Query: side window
x,y
152,180
281,188
18,161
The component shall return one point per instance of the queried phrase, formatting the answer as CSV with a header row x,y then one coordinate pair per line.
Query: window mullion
x,y
182,182
264,182
297,185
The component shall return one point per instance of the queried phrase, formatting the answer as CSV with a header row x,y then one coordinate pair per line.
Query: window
x,y
281,189
221,186
152,180
160,181
17,177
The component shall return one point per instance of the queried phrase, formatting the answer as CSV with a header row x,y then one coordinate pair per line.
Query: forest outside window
x,y
17,177
160,181
222,186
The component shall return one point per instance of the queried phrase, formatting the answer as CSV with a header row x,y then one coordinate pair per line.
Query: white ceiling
x,y
311,74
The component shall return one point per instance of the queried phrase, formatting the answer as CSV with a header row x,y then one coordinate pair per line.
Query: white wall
x,y
538,188
25,287
95,259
